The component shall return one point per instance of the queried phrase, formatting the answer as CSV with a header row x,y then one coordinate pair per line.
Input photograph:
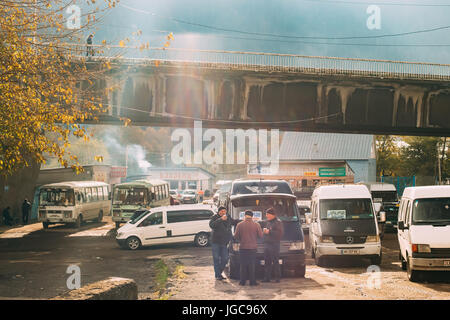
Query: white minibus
x,y
73,202
424,230
343,223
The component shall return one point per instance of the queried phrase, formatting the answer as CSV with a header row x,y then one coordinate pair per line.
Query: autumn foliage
x,y
39,76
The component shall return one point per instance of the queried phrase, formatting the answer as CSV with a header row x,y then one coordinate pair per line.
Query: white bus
x,y
73,202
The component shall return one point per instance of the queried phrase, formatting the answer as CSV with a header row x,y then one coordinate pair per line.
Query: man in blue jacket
x,y
221,235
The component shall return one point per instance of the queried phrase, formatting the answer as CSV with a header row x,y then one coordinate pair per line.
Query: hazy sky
x,y
283,19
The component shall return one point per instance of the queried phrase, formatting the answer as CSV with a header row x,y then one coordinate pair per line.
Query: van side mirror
x,y
308,218
382,216
401,226
377,207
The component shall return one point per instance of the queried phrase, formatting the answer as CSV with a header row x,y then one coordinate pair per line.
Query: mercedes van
x,y
344,223
424,230
171,224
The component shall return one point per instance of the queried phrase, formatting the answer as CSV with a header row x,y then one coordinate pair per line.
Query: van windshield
x,y
56,197
285,208
346,209
433,210
138,216
136,196
385,196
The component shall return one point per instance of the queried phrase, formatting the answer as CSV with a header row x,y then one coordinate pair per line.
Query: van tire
x,y
45,225
319,261
403,262
377,260
133,243
413,275
201,239
100,217
300,271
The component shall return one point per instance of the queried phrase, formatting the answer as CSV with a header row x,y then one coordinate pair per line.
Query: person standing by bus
x,y
26,206
247,233
273,232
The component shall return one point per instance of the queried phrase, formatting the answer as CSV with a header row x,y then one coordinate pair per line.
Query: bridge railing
x,y
260,61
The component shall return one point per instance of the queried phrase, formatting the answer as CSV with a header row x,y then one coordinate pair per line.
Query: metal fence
x,y
260,61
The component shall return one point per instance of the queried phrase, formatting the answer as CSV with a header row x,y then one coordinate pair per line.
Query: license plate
x,y
446,262
350,251
263,262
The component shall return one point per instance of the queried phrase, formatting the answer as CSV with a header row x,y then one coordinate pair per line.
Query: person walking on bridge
x,y
89,49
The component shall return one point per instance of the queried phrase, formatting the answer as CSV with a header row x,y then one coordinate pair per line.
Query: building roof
x,y
143,176
298,146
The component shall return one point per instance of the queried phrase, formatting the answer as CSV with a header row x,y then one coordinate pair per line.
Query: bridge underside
x,y
176,95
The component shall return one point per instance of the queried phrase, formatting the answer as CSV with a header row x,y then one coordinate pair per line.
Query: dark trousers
x,y
247,259
220,258
25,217
271,261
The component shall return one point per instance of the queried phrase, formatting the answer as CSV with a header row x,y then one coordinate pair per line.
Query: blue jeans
x,y
220,258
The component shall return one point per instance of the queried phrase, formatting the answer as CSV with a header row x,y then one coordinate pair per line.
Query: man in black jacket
x,y
273,232
221,235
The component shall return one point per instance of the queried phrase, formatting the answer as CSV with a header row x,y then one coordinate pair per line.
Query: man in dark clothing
x,y
247,233
273,232
221,235
26,206
89,49
7,220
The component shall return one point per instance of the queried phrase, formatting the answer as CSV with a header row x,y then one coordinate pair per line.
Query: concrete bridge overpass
x,y
175,87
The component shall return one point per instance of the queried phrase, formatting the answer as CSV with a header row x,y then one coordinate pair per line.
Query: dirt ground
x,y
33,264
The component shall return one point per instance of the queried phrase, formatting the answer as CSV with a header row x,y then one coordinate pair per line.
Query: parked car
x,y
171,224
344,223
189,196
303,209
175,196
424,230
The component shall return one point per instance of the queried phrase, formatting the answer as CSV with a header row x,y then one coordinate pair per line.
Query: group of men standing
x,y
247,232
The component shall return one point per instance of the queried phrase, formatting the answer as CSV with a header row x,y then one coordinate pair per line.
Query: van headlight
x,y
373,239
326,239
297,245
421,248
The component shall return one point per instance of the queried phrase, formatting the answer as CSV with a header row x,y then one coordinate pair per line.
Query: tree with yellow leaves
x,y
39,75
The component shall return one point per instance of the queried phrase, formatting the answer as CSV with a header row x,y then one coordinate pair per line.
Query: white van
x,y
424,230
343,223
171,224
